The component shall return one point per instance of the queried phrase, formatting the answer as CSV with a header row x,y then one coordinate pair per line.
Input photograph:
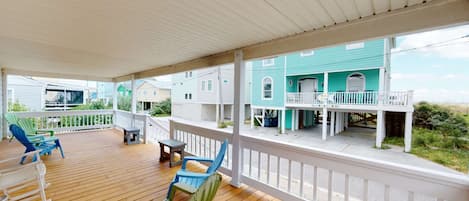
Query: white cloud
x,y
458,48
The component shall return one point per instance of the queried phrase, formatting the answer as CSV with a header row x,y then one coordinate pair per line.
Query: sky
x,y
437,73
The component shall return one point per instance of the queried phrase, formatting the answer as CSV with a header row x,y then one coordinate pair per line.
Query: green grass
x,y
431,145
162,115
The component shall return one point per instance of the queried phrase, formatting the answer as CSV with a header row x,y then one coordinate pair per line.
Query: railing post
x,y
145,129
239,77
134,100
4,105
171,129
114,104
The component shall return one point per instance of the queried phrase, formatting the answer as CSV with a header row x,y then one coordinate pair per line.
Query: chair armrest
x,y
51,132
36,138
194,158
194,175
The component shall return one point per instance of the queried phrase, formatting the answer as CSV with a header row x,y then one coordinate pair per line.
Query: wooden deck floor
x,y
98,166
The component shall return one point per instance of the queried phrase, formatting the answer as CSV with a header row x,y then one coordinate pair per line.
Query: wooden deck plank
x,y
98,166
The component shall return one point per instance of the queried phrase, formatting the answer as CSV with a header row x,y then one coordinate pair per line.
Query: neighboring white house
x,y
40,95
152,91
195,94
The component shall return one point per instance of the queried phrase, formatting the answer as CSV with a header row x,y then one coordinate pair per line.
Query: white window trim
x,y
348,76
271,88
306,53
268,64
353,46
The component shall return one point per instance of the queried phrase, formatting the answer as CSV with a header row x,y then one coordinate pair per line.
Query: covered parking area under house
x,y
117,41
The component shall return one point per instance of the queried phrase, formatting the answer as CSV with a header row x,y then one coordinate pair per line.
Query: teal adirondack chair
x,y
35,143
189,181
206,192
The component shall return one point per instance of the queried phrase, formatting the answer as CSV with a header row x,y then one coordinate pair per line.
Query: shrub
x,y
17,107
163,107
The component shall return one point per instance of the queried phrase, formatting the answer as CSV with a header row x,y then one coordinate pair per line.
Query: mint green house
x,y
297,90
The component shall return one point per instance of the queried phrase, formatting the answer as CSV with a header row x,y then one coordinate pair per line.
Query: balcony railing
x,y
393,98
294,172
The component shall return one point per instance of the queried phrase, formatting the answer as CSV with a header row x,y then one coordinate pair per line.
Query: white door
x,y
308,85
356,82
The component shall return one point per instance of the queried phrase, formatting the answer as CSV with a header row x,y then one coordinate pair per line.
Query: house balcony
x,y
367,100
109,170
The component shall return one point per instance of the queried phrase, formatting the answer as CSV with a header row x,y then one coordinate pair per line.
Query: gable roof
x,y
156,84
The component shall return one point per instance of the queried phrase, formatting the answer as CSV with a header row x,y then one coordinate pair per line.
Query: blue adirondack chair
x,y
36,143
195,179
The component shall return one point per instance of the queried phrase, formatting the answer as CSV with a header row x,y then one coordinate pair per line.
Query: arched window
x,y
356,82
267,88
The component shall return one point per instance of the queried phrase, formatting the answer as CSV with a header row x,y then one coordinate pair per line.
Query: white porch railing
x,y
306,98
293,172
150,129
70,121
393,98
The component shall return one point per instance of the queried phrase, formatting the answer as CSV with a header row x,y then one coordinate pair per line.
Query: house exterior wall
x,y
27,92
338,61
149,93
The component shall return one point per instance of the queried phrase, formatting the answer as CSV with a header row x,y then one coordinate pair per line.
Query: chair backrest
x,y
20,135
11,118
219,159
208,189
27,125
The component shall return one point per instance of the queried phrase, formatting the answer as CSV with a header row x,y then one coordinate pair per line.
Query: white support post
x,y
338,122
134,100
217,115
4,104
297,119
332,126
239,77
379,128
324,109
232,113
252,117
293,120
114,103
381,87
324,123
283,121
408,132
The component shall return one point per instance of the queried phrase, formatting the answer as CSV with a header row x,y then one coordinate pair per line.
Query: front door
x,y
308,85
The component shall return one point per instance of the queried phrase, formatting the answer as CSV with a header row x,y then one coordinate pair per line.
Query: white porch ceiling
x,y
112,38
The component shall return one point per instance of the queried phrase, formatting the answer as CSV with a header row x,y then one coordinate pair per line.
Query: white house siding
x,y
26,91
188,111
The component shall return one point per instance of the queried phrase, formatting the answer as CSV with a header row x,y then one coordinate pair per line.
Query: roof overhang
x,y
96,40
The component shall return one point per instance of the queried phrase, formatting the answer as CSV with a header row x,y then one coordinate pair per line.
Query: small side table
x,y
131,136
174,147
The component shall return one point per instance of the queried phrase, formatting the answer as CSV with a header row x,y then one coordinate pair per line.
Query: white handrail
x,y
69,121
264,160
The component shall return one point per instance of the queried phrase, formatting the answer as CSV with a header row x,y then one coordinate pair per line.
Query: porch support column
x,y
381,87
332,126
114,102
379,128
324,109
252,117
408,132
133,108
293,120
4,105
282,129
239,92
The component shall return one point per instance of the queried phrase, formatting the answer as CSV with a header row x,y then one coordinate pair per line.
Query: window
x,y
355,46
154,93
185,96
190,96
209,85
268,62
267,88
307,53
188,74
203,85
